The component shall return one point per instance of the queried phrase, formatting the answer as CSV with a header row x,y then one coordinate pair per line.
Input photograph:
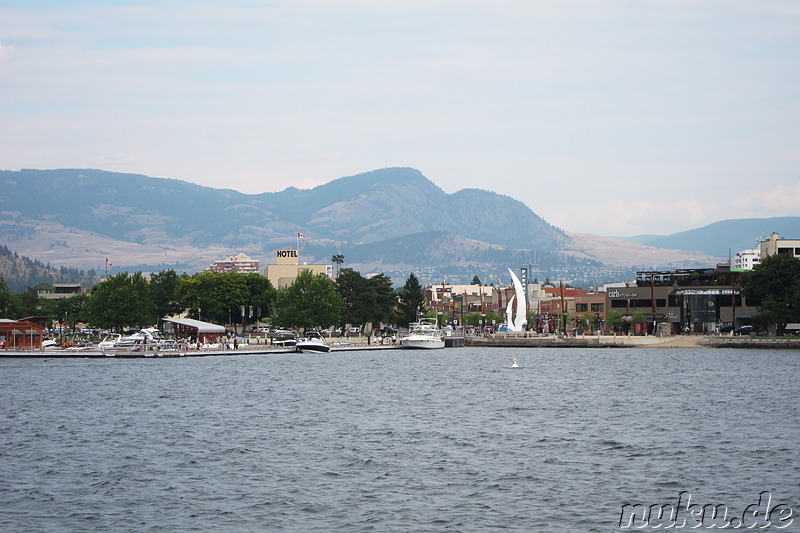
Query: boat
x,y
141,344
108,341
423,334
286,343
312,343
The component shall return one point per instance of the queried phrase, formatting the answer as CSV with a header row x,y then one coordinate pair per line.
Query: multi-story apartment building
x,y
746,260
774,245
238,263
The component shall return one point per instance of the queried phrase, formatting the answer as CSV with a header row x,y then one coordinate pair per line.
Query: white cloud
x,y
783,200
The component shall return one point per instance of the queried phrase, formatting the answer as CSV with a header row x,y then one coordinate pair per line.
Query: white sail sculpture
x,y
518,322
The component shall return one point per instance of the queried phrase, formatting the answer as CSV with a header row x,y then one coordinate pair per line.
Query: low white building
x,y
746,259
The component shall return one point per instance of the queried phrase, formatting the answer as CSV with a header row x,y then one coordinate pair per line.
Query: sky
x,y
609,117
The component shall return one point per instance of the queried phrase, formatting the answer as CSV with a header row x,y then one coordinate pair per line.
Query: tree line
x,y
311,301
314,300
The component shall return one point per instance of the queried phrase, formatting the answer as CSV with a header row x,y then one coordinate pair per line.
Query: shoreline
x,y
593,341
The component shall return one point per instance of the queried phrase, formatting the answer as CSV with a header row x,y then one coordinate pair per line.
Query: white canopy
x,y
202,327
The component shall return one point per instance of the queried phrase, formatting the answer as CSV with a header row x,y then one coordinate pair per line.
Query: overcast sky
x,y
612,117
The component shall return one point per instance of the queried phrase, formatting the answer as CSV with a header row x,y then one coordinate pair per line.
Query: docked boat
x,y
144,343
312,343
424,334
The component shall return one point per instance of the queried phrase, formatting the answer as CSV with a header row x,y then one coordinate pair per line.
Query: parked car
x,y
743,330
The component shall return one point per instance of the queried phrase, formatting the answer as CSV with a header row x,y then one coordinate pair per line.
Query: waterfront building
x,y
21,334
700,300
238,263
454,301
197,330
287,267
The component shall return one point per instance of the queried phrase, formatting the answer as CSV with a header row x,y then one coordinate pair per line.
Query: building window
x,y
581,308
597,308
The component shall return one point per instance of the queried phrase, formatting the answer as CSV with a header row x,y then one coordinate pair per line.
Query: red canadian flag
x,y
300,235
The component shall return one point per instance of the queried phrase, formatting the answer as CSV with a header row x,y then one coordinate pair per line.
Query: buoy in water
x,y
514,364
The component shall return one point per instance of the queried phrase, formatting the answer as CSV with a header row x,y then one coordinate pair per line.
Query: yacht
x,y
423,334
312,343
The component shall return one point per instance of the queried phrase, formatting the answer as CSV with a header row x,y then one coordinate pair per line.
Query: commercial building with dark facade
x,y
700,300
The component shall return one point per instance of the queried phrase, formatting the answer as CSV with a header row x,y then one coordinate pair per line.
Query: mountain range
x,y
392,220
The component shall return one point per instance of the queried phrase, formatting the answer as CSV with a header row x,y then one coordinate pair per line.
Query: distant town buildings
x,y
238,263
703,300
773,245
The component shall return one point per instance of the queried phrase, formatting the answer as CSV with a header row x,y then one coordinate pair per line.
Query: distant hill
x,y
726,235
80,217
21,272
392,220
368,207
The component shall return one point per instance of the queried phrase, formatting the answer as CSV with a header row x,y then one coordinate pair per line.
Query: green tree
x,y
30,302
613,320
774,288
164,293
476,280
473,318
122,300
216,297
384,303
411,298
337,260
5,299
311,301
262,295
354,292
71,310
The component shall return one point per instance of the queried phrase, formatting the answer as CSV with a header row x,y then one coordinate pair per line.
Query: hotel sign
x,y
287,257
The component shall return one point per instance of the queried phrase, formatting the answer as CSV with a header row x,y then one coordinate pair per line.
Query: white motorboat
x,y
423,334
312,343
141,344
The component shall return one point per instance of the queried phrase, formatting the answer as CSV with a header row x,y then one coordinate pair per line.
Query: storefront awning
x,y
201,327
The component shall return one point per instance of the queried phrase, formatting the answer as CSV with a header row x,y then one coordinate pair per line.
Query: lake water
x,y
447,440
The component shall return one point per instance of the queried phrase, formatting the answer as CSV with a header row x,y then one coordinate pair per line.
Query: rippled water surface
x,y
448,440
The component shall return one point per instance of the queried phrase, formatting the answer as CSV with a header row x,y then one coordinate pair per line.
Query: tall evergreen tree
x,y
352,288
411,298
5,299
